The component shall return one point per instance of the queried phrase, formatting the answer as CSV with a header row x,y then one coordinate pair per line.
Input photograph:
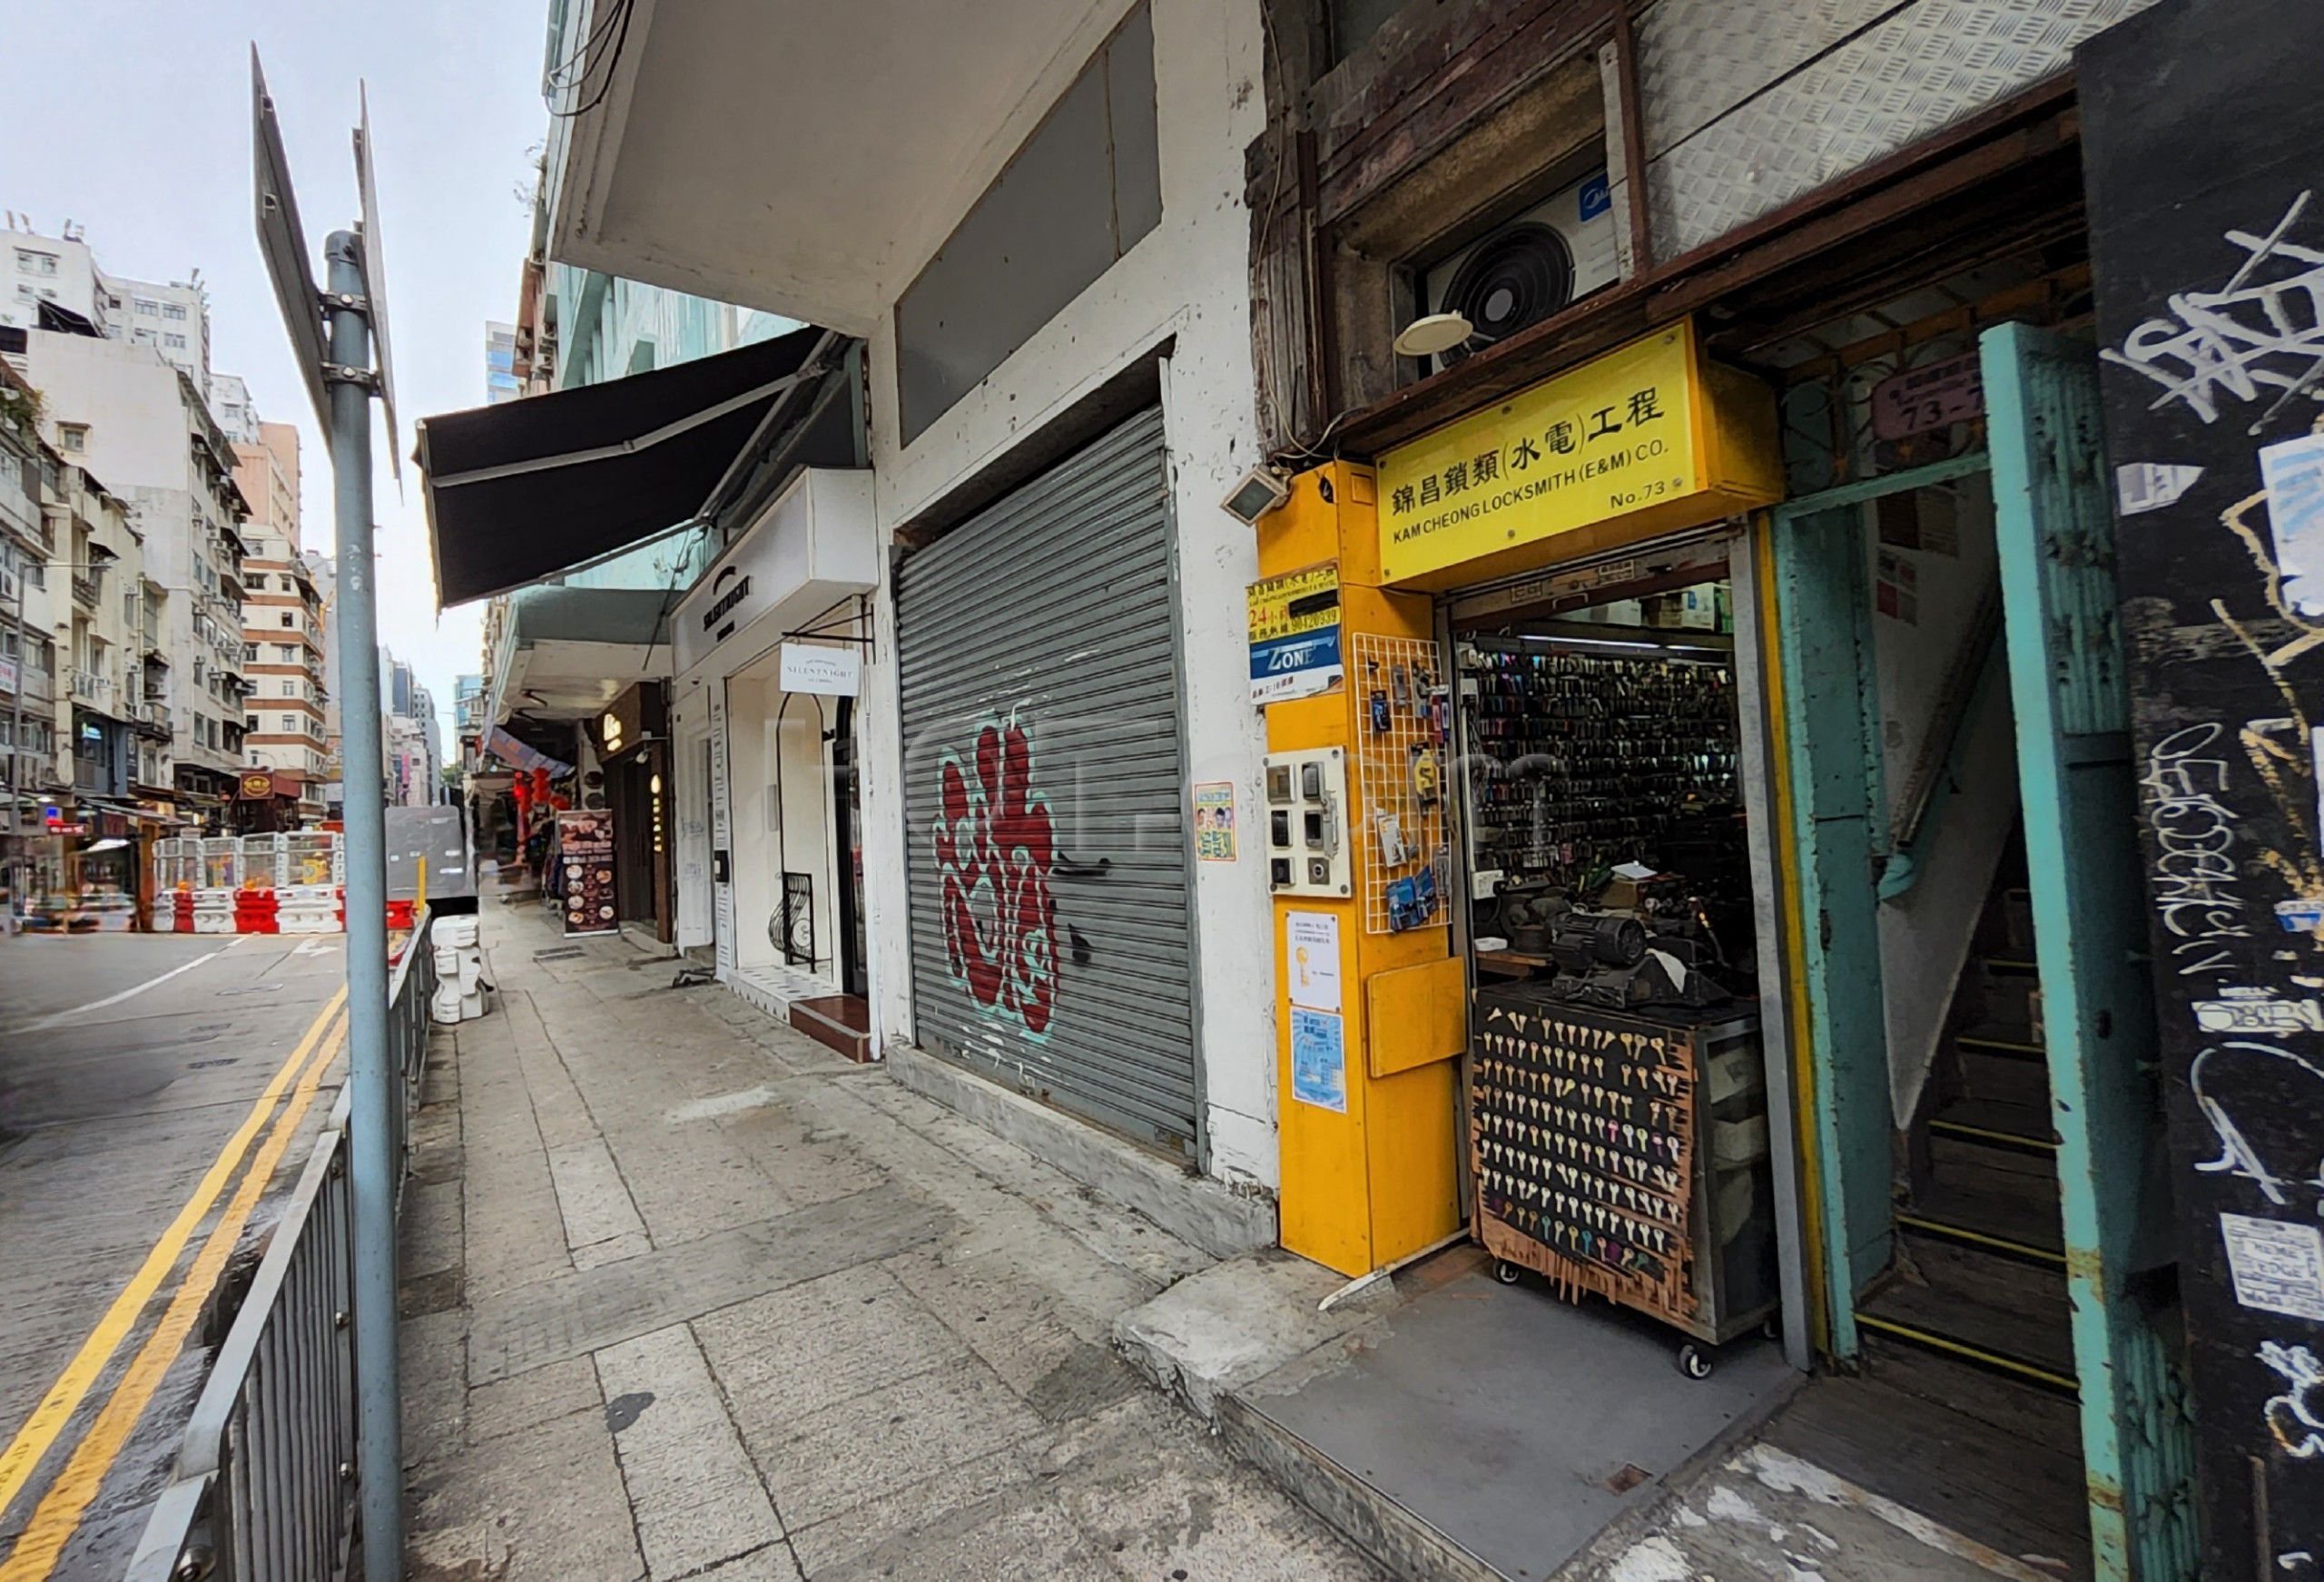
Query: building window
x,y
32,261
173,311
175,342
290,687
250,654
249,722
149,307
291,724
290,619
73,438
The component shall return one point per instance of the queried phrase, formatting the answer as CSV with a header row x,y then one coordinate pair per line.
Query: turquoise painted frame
x,y
1840,837
2055,530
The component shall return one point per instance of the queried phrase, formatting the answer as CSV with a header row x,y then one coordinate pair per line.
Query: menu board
x,y
584,845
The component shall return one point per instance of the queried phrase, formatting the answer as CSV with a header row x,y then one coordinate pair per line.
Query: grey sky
x,y
134,120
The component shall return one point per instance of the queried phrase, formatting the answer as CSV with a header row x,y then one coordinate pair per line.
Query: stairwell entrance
x,y
1982,1116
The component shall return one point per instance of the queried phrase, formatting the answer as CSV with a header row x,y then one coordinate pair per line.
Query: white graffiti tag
x,y
2195,865
2292,1416
2261,330
2242,1062
2258,1011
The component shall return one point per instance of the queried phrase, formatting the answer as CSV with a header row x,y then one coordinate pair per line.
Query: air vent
x,y
1538,264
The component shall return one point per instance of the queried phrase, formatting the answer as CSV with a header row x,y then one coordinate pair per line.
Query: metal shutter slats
x,y
1053,610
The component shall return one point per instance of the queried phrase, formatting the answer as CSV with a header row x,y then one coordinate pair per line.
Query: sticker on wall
x,y
2294,474
1311,959
2277,1266
2150,485
1318,1060
1215,821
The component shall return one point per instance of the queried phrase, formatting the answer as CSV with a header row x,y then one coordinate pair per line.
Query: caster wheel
x,y
1694,1361
1505,1272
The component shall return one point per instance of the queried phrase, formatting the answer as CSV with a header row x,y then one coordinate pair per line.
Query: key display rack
x,y
1626,1154
1597,758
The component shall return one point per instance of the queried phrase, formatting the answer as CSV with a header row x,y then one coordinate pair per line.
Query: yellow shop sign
x,y
1649,438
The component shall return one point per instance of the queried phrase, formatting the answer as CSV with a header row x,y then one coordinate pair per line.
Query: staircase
x,y
1979,1273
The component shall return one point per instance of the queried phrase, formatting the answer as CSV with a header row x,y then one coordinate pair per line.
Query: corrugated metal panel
x,y
1049,920
1751,103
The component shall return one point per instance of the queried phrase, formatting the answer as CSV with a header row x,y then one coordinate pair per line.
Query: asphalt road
x,y
129,1065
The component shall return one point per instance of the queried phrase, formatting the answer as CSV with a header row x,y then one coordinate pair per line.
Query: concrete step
x,y
841,1022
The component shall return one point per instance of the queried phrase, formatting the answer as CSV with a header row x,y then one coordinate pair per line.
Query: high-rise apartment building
x,y
61,273
500,381
118,410
283,620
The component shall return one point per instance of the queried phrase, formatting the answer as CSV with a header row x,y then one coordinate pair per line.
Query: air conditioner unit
x,y
1539,263
9,589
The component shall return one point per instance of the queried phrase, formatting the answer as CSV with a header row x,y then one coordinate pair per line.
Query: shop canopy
x,y
527,489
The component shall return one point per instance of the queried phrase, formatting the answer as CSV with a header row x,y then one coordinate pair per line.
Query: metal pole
x,y
371,1079
13,861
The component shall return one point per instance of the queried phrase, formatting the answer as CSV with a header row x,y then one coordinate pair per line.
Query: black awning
x,y
529,489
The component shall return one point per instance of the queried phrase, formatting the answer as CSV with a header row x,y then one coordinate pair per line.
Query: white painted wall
x,y
1186,279
1925,933
780,779
690,810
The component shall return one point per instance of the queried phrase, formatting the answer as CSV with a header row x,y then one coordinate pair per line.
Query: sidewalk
x,y
685,1294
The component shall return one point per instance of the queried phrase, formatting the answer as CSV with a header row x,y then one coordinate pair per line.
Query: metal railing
x,y
264,1488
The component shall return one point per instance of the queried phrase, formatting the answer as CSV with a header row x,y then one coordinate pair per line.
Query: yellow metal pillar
x,y
1377,1181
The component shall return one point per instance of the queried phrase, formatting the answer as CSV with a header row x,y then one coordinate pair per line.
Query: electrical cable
x,y
613,65
552,76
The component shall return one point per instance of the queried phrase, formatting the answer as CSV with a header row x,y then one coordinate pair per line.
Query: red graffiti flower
x,y
994,851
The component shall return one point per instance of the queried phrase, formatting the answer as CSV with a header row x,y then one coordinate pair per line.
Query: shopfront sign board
x,y
1649,437
814,667
1294,633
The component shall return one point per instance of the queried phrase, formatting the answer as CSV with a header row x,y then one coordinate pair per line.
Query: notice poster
x,y
1311,959
1215,821
1318,1060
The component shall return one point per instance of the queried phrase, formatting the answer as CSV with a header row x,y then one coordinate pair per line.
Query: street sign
x,y
283,244
375,276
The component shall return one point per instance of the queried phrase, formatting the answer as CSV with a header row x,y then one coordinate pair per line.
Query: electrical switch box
x,y
1307,832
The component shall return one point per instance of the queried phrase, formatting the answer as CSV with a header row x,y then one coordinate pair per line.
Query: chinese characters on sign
x,y
1294,633
1627,433
1938,395
1564,436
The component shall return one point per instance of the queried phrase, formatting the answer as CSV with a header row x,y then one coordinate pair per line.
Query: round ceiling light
x,y
1438,332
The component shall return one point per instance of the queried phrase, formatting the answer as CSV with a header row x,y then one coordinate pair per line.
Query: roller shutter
x,y
1044,791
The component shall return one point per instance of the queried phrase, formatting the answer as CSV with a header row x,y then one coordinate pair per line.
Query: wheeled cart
x,y
1625,1153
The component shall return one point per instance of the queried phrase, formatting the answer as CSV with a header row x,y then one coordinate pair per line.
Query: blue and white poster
x,y
1294,624
1318,1060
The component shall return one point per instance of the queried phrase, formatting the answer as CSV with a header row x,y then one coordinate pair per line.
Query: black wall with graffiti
x,y
2204,150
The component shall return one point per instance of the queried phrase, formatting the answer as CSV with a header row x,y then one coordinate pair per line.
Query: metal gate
x,y
1045,793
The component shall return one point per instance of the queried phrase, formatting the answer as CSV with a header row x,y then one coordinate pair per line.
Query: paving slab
x,y
567,1316
840,1333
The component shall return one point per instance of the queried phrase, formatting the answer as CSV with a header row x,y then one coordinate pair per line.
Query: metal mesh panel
x,y
1045,795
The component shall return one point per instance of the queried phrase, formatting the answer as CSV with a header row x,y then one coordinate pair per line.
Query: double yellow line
x,y
60,1511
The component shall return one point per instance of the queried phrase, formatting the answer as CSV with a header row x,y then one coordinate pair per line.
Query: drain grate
x,y
559,953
